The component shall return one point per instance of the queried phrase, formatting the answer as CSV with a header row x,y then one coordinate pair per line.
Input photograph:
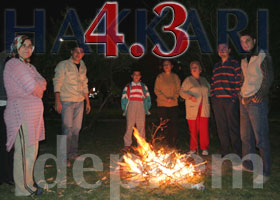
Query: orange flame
x,y
157,166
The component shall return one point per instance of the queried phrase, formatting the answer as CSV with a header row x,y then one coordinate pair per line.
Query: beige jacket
x,y
167,86
70,82
253,75
191,87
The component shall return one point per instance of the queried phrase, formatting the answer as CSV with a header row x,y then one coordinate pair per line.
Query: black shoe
x,y
38,192
12,183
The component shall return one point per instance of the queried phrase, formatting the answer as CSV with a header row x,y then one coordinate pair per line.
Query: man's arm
x,y
58,105
57,83
237,77
268,77
85,90
59,76
88,108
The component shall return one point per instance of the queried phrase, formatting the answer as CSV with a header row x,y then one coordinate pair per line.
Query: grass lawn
x,y
106,139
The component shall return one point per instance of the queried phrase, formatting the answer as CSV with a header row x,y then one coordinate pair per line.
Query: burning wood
x,y
159,167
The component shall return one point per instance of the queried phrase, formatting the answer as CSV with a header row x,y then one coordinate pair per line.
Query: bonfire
x,y
146,164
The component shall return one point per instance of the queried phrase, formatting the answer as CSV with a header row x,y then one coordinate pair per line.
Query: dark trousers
x,y
170,132
228,124
6,158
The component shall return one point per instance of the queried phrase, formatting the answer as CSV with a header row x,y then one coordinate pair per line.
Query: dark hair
x,y
249,33
171,61
73,47
224,43
164,60
197,63
135,69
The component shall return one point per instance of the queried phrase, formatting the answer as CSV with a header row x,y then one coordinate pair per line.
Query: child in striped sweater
x,y
135,102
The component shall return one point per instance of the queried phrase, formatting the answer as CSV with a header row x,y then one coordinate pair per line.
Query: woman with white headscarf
x,y
24,113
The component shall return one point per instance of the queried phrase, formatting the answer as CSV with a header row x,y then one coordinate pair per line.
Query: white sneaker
x,y
204,153
240,168
237,167
261,179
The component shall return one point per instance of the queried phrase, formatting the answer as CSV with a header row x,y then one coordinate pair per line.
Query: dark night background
x,y
103,129
110,75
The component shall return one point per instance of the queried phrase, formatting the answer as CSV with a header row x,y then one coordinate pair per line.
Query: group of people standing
x,y
22,122
239,98
233,87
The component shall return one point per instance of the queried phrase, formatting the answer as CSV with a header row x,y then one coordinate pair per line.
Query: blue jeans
x,y
72,117
255,133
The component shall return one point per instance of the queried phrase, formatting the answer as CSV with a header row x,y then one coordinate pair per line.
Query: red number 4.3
x,y
111,37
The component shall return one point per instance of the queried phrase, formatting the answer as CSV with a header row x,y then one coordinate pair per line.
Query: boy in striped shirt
x,y
135,102
225,86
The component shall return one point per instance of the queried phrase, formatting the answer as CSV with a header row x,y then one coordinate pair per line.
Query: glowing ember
x,y
158,166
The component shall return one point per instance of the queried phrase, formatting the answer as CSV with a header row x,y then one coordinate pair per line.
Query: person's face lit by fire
x,y
223,51
167,66
136,76
77,54
247,42
195,70
26,49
